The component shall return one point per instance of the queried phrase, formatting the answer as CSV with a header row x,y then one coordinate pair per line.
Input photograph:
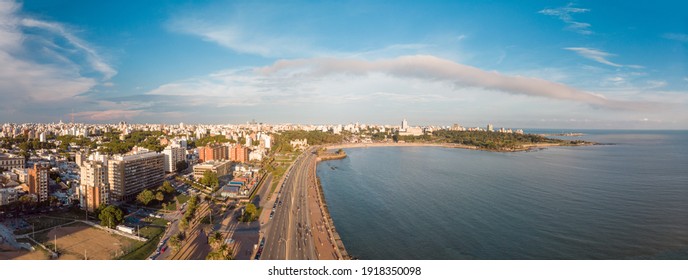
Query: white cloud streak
x,y
599,56
595,55
565,15
24,77
234,36
95,61
680,37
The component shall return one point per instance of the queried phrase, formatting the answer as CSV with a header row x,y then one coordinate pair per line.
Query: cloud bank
x,y
421,78
431,68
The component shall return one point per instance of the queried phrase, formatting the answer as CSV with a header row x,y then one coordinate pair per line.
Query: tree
x,y
225,252
176,241
250,212
166,187
145,197
181,165
210,179
215,239
183,224
111,216
159,196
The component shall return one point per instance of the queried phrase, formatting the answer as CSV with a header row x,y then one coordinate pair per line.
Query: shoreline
x,y
524,148
339,247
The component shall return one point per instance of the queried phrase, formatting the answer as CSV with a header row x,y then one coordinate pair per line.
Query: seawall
x,y
333,235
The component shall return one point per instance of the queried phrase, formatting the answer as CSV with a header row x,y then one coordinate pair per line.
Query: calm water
x,y
627,200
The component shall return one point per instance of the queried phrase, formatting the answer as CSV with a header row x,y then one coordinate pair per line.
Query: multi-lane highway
x,y
288,234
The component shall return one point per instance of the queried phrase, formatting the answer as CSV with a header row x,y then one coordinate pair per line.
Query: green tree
x,y
250,213
181,166
166,187
176,241
183,224
145,197
111,216
159,196
210,179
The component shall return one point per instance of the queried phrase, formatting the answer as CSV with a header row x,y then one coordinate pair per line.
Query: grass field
x,y
79,241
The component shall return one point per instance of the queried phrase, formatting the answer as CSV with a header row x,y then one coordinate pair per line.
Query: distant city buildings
x,y
405,130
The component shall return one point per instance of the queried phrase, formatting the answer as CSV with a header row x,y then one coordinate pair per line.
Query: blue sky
x,y
554,64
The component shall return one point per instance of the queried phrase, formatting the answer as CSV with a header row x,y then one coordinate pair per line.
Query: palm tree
x,y
225,252
215,239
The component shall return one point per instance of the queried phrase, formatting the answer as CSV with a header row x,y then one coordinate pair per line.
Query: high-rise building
x,y
490,127
38,181
404,125
94,189
79,158
239,153
173,154
130,174
267,140
213,152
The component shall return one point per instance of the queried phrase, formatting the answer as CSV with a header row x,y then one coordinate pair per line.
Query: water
x,y
623,201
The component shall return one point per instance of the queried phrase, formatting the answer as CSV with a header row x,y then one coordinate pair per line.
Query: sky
x,y
519,64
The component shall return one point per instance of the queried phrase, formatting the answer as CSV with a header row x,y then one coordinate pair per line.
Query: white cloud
x,y
95,61
565,15
25,76
335,80
653,84
237,36
595,55
676,37
600,56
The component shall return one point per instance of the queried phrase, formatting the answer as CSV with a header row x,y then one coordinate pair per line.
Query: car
x,y
163,249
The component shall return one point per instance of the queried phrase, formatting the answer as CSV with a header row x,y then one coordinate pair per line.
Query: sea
x,y
624,199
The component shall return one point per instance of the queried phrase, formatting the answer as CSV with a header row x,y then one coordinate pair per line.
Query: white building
x,y
256,155
132,173
267,140
173,154
7,196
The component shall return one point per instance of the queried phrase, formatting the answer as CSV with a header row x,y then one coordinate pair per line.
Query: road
x,y
288,235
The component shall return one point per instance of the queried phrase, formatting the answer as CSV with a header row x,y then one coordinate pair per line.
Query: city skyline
x,y
530,64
